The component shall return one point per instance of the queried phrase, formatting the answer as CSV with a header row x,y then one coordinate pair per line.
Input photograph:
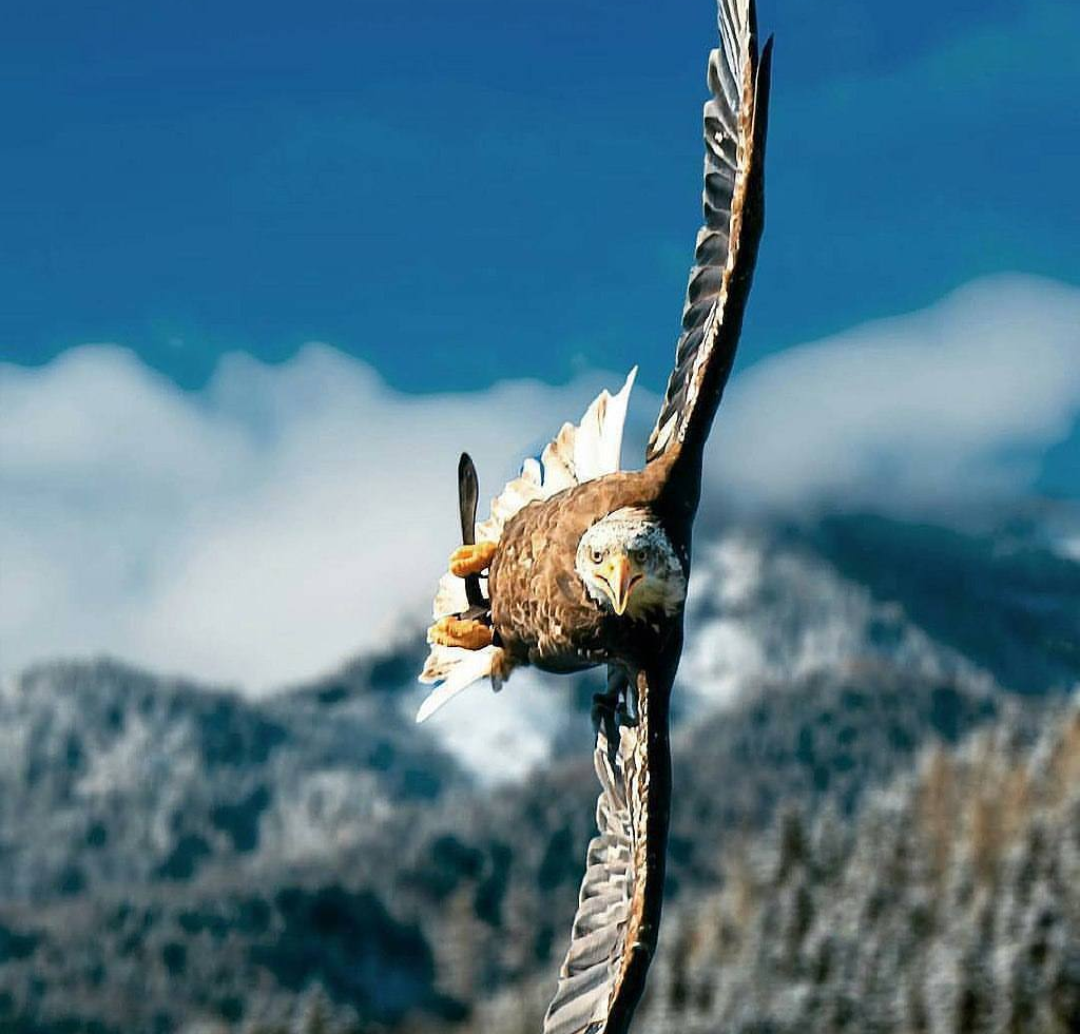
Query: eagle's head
x,y
629,565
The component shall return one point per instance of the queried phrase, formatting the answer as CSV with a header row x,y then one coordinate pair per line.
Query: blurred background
x,y
265,269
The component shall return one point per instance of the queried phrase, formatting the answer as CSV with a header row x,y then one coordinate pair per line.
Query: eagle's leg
x,y
613,708
472,558
468,633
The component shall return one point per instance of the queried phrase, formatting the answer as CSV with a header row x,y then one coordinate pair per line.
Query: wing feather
x,y
726,247
615,928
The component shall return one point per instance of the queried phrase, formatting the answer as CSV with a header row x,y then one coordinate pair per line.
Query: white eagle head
x,y
629,565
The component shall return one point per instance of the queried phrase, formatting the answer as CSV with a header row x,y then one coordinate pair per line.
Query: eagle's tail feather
x,y
578,453
457,669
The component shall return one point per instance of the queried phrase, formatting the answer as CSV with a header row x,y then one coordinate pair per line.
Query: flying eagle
x,y
581,564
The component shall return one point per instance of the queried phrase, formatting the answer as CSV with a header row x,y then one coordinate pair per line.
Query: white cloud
x,y
257,532
956,402
262,530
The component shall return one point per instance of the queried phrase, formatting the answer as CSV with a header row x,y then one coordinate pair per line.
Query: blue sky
x,y
463,192
460,196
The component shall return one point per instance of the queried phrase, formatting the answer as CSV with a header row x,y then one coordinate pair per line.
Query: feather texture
x,y
724,255
454,669
577,454
540,611
614,933
591,965
615,929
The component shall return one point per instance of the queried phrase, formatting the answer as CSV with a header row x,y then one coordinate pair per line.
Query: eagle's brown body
x,y
539,607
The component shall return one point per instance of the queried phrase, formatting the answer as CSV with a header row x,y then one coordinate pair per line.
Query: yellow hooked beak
x,y
619,574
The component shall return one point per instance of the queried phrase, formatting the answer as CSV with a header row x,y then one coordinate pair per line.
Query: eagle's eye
x,y
638,556
597,555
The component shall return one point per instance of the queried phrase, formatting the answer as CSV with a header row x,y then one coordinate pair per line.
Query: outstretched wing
x,y
618,916
735,122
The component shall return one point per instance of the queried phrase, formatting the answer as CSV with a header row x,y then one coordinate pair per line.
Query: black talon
x,y
478,613
605,716
628,710
468,493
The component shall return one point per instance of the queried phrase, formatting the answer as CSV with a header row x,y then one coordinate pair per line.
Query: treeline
x,y
949,905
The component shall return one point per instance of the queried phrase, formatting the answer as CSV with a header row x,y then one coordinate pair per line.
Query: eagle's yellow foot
x,y
464,632
466,560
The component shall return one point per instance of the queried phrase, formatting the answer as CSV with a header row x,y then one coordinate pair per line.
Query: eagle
x,y
581,564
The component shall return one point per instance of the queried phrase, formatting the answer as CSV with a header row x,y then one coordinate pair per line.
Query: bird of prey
x,y
582,564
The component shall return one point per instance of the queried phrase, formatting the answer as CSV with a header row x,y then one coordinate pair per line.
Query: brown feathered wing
x,y
618,917
726,250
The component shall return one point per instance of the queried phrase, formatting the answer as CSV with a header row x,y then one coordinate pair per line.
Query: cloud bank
x,y
256,532
954,403
262,530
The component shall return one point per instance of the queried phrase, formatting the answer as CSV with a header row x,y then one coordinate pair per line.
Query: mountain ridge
x,y
165,849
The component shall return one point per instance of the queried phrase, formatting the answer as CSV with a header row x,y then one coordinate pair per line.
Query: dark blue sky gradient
x,y
463,192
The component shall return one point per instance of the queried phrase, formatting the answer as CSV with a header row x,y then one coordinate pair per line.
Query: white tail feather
x,y
577,454
450,597
460,669
598,441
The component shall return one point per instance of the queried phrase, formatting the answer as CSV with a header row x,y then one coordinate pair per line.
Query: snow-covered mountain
x,y
172,852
